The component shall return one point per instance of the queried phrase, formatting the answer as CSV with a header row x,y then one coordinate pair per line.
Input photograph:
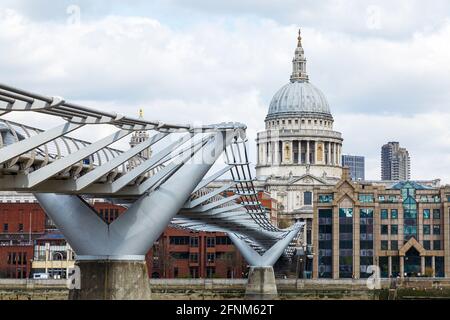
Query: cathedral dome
x,y
299,98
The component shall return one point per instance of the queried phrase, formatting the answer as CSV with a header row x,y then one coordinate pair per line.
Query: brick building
x,y
20,224
30,243
183,254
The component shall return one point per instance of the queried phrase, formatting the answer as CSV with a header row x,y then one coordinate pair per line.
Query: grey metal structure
x,y
169,187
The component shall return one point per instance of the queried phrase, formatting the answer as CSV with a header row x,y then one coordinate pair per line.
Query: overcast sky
x,y
383,65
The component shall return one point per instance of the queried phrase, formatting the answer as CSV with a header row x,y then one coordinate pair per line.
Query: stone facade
x,y
403,228
298,150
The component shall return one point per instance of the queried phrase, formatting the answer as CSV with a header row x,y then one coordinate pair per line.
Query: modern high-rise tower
x,y
395,162
356,165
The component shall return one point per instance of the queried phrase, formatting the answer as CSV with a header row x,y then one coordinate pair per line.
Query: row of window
x,y
193,241
296,121
6,228
109,215
193,257
426,214
394,245
210,256
17,258
426,229
393,199
194,272
384,213
369,198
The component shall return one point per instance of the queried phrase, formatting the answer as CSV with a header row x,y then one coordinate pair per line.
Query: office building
x,y
395,162
356,165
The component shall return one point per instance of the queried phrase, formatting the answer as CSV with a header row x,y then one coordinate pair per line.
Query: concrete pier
x,y
261,284
112,280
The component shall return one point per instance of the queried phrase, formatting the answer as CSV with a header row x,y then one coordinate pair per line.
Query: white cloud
x,y
426,136
380,88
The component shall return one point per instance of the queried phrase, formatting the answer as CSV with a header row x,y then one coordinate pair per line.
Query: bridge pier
x,y
261,284
111,280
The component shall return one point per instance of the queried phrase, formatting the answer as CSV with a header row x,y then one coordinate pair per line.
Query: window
x,y
426,229
211,257
210,242
394,245
193,257
345,213
426,213
394,214
194,242
325,243
193,272
307,198
394,229
325,198
436,245
223,241
384,214
436,229
20,229
365,198
175,272
179,240
384,229
210,272
180,255
427,244
346,242
436,214
5,227
384,245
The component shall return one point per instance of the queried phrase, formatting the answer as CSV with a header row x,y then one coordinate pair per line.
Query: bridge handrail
x,y
14,99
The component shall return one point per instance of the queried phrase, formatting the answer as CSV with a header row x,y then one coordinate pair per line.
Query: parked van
x,y
40,276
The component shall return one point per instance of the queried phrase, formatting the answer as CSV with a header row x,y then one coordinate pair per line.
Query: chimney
x,y
346,173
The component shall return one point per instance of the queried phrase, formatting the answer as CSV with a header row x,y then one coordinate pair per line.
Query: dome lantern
x,y
299,62
299,97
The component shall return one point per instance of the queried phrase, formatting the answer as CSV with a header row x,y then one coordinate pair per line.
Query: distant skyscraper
x,y
356,165
395,162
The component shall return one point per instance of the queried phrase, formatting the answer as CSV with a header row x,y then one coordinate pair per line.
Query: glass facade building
x,y
403,228
356,165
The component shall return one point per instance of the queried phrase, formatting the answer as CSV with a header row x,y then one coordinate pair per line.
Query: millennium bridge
x,y
171,187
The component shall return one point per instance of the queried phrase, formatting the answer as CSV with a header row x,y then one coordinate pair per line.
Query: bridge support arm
x,y
271,256
261,284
